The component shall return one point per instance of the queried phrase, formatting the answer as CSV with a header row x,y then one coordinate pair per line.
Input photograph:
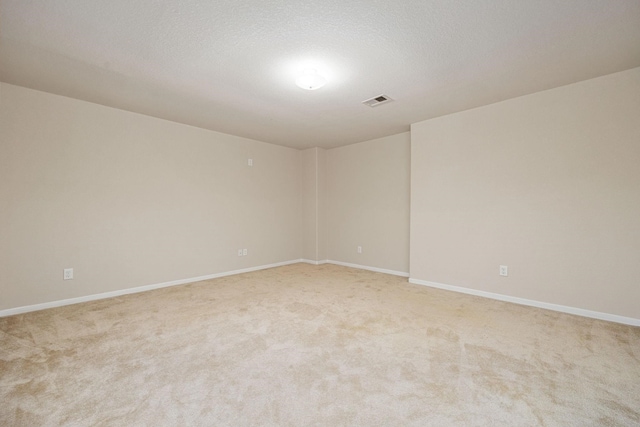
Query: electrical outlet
x,y
359,249
250,162
244,252
67,274
239,252
504,270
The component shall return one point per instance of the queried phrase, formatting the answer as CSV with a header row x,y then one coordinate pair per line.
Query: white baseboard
x,y
365,267
310,261
500,297
60,303
522,301
362,267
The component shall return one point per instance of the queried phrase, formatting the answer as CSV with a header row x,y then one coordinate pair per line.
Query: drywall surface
x,y
314,202
129,200
547,184
368,203
322,202
308,162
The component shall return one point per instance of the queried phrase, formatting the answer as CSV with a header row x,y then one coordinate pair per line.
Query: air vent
x,y
377,100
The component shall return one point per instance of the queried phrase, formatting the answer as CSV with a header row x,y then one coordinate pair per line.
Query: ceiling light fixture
x,y
310,80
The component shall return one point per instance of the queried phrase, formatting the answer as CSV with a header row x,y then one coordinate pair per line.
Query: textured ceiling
x,y
230,65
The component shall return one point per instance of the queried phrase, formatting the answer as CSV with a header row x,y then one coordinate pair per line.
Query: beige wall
x,y
129,200
314,200
547,184
308,159
368,203
323,226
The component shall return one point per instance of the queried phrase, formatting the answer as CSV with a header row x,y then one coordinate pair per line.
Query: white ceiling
x,y
230,65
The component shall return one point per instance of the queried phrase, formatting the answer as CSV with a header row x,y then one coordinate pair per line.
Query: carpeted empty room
x,y
315,345
337,213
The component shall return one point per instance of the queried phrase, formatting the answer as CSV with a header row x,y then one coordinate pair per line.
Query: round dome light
x,y
310,80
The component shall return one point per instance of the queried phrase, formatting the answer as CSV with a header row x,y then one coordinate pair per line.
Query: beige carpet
x,y
310,345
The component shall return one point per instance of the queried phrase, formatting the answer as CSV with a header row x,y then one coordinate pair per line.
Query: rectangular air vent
x,y
377,100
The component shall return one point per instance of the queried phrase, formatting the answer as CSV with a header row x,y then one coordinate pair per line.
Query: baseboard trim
x,y
366,267
104,295
313,262
532,303
516,300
